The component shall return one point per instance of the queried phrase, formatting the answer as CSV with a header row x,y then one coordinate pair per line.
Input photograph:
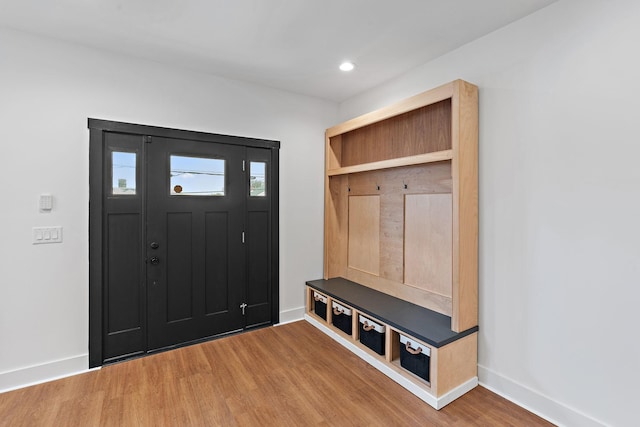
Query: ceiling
x,y
295,45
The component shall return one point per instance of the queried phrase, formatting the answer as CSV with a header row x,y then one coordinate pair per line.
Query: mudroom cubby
x,y
401,238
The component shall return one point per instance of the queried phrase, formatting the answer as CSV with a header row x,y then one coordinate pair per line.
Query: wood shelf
x,y
419,159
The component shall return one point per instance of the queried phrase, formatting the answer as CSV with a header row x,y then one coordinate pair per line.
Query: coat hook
x,y
405,185
378,187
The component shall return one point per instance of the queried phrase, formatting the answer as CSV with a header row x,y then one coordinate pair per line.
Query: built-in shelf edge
x,y
437,156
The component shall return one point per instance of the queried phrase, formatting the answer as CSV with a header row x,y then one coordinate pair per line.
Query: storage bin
x,y
341,317
372,334
320,305
414,357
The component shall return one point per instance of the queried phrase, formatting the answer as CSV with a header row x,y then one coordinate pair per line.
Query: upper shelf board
x,y
427,98
418,159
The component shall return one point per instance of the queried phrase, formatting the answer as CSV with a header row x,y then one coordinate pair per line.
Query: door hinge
x,y
147,139
243,237
243,306
243,165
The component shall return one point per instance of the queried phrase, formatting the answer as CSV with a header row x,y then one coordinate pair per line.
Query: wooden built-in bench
x,y
426,325
401,241
453,373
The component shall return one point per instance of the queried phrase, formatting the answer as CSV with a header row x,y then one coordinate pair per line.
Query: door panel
x,y
196,286
124,278
217,262
125,334
183,237
178,262
258,309
123,271
259,237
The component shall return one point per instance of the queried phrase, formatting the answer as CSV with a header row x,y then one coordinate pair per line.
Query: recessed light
x,y
347,66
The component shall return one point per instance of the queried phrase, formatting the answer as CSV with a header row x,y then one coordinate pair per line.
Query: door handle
x,y
154,260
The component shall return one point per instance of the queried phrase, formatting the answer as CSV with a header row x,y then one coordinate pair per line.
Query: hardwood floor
x,y
290,375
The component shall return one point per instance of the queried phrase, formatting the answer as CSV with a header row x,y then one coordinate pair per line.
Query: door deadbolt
x,y
154,245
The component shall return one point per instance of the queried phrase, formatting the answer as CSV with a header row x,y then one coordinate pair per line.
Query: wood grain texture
x,y
464,169
390,185
421,297
419,179
417,149
391,236
428,242
289,375
456,363
364,234
336,226
309,301
392,344
392,139
426,98
333,152
424,130
418,159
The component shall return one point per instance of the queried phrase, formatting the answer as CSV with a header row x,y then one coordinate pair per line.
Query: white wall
x,y
559,205
47,91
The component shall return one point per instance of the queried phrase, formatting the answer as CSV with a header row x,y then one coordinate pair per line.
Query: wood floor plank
x,y
288,375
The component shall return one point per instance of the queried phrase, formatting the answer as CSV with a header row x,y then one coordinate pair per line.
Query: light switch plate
x,y
45,203
42,235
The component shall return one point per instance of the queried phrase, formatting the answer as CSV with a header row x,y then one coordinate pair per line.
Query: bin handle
x,y
367,327
317,298
412,351
337,311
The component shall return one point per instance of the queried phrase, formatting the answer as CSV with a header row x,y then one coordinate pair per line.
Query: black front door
x,y
195,209
183,237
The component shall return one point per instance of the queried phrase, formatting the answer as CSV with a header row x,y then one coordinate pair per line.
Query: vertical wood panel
x,y
334,152
465,206
336,226
364,233
428,242
456,363
391,236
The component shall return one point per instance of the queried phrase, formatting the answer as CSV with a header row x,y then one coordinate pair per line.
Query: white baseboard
x,y
292,315
543,406
45,372
436,402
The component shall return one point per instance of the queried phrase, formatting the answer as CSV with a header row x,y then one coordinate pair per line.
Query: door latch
x,y
243,306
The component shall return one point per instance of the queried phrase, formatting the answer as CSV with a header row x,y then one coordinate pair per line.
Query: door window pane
x,y
196,176
123,173
257,170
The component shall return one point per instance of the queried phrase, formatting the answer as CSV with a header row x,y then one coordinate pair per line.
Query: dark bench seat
x,y
427,325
